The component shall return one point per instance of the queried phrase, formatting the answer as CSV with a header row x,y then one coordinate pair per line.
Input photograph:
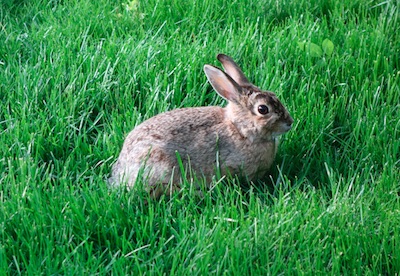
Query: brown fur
x,y
243,139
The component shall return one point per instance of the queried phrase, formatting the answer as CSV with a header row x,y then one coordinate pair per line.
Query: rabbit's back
x,y
183,130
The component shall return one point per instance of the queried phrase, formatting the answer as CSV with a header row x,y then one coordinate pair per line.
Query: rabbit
x,y
239,139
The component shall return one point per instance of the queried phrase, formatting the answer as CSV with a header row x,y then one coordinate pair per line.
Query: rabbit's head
x,y
257,114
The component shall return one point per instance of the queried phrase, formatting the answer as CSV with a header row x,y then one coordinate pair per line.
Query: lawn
x,y
76,76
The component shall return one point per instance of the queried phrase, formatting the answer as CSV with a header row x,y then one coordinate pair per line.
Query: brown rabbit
x,y
241,138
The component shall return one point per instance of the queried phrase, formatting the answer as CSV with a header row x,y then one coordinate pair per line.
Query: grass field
x,y
76,76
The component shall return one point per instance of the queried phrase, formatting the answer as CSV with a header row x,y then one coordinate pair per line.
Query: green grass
x,y
76,76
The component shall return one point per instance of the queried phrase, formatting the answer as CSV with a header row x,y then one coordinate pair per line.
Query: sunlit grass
x,y
76,77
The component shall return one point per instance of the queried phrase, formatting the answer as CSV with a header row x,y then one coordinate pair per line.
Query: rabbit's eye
x,y
263,109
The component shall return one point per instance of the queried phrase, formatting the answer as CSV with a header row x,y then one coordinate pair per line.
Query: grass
x,y
76,77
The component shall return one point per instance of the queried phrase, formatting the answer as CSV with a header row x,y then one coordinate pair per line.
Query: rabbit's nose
x,y
289,120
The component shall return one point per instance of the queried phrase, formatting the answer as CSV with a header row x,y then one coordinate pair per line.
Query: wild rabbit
x,y
241,138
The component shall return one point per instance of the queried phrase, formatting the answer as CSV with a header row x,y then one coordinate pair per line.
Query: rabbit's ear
x,y
223,83
233,70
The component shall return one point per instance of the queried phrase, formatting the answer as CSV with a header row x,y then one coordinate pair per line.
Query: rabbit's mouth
x,y
282,128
